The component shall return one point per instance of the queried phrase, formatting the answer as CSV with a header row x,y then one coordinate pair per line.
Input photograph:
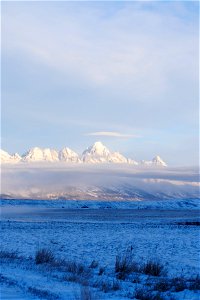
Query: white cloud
x,y
99,66
42,180
112,134
123,50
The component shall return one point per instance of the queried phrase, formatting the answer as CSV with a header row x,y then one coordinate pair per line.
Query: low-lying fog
x,y
49,180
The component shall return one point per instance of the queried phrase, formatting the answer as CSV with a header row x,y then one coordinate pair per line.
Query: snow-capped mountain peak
x,y
16,157
97,153
157,160
68,155
5,157
98,148
38,154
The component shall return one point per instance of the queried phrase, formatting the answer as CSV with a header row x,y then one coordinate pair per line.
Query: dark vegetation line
x,y
149,278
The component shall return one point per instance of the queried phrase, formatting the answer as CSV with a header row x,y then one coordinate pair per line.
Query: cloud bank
x,y
61,181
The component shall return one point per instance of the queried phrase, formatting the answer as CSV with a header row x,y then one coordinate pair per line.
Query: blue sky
x,y
74,72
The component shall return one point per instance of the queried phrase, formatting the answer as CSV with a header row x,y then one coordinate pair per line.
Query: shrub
x,y
8,254
179,284
136,278
115,285
194,283
101,270
162,285
143,294
44,294
43,256
125,264
94,264
76,278
86,294
153,268
78,273
76,268
107,286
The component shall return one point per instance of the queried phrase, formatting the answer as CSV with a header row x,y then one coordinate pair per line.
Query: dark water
x,y
31,213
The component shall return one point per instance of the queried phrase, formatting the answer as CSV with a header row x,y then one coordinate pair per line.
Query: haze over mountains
x,y
95,154
96,174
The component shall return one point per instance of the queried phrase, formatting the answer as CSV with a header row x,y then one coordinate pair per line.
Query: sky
x,y
123,73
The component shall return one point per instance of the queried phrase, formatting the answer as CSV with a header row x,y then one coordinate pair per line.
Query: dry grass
x,y
125,264
44,256
153,268
9,254
144,294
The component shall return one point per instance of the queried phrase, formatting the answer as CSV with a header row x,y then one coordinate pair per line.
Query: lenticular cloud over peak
x,y
112,134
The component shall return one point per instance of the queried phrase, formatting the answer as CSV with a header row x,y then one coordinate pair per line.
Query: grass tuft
x,y
43,294
179,284
125,264
143,294
9,254
94,264
163,285
44,256
194,283
101,271
153,268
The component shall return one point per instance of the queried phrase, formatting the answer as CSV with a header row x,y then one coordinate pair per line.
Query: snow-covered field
x,y
84,235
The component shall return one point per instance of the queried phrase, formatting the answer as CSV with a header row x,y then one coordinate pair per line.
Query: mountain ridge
x,y
95,154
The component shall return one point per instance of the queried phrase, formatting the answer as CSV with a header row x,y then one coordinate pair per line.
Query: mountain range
x,y
95,154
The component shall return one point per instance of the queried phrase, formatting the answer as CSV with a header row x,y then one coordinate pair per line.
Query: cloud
x,y
112,134
43,181
124,50
91,66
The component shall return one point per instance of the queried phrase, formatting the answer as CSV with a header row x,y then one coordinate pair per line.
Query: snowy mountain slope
x,y
68,155
117,192
95,154
156,161
38,154
98,153
5,157
15,157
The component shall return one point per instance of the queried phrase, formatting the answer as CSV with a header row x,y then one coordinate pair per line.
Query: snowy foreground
x,y
97,250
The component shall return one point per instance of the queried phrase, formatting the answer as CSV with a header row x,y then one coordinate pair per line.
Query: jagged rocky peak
x,y
98,153
132,162
98,148
68,155
157,160
16,157
5,157
38,154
